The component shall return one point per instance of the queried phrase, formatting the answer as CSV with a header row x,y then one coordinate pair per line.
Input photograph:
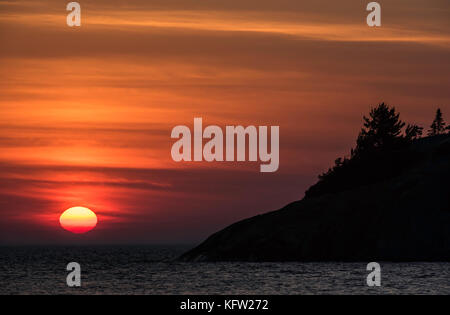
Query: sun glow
x,y
78,220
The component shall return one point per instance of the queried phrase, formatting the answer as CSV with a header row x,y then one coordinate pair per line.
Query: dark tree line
x,y
381,151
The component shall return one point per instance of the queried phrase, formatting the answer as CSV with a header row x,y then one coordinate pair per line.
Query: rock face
x,y
405,218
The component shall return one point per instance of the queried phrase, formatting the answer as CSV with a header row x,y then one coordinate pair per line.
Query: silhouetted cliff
x,y
404,216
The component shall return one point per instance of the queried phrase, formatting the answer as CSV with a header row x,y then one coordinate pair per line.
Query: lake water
x,y
152,270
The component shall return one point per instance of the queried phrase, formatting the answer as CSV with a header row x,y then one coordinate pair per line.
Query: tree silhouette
x,y
382,151
413,132
438,125
382,129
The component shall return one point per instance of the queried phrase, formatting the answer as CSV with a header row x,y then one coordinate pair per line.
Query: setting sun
x,y
78,220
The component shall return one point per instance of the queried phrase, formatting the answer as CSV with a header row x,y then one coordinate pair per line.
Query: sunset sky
x,y
86,112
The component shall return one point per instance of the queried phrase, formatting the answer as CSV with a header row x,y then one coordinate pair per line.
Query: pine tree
x,y
382,151
382,129
413,132
438,125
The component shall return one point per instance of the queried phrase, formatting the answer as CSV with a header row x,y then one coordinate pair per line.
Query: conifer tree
x,y
438,125
382,129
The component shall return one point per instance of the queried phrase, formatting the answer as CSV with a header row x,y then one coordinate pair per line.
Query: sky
x,y
86,112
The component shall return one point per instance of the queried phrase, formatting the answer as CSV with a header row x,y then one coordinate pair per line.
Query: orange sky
x,y
86,113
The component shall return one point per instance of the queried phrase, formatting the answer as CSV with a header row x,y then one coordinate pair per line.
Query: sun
x,y
78,220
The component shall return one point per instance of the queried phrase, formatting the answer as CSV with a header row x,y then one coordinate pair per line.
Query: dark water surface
x,y
152,270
